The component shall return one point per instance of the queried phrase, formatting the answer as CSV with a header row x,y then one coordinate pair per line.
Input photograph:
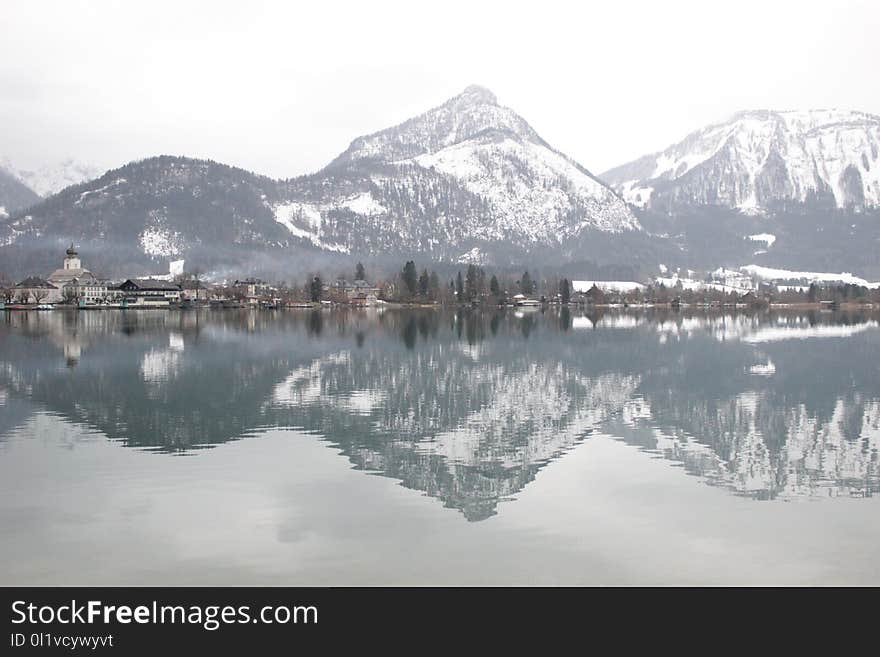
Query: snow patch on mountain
x,y
766,238
364,204
160,242
304,220
473,257
101,190
524,182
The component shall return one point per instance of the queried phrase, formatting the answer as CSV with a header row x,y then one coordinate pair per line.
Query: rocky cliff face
x,y
760,161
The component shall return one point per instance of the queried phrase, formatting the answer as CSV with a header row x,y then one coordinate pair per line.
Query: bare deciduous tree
x,y
70,294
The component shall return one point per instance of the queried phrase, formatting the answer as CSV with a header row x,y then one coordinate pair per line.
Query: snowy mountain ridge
x,y
761,158
50,179
461,175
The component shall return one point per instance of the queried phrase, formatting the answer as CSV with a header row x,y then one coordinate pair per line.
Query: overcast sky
x,y
281,89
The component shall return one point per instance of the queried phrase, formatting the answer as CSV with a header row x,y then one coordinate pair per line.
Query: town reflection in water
x,y
468,406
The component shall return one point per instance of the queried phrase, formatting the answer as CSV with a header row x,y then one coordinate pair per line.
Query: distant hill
x,y
14,195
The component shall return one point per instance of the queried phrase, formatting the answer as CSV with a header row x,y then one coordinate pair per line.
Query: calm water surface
x,y
397,447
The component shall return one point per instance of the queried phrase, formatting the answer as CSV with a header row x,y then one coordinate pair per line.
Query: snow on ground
x,y
693,284
733,278
778,275
636,194
607,286
294,215
364,204
100,190
766,238
160,242
50,179
473,257
743,279
3,212
506,172
822,149
287,213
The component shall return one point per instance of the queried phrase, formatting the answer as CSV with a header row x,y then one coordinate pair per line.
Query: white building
x,y
36,290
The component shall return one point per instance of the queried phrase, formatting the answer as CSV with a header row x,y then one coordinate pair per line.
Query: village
x,y
73,286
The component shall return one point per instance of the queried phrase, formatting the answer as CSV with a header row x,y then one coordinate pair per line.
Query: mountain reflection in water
x,y
468,406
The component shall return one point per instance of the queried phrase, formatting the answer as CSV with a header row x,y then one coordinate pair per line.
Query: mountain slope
x,y
469,174
763,160
469,180
14,195
52,178
155,210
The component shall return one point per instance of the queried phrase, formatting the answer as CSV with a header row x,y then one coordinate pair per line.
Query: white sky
x,y
282,87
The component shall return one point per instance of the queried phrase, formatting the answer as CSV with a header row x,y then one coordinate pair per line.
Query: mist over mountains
x,y
471,181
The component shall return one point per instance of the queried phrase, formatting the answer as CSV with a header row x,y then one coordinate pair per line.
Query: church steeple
x,y
72,259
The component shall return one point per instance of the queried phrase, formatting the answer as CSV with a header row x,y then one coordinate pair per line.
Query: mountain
x,y
760,161
471,181
149,212
14,195
467,181
50,179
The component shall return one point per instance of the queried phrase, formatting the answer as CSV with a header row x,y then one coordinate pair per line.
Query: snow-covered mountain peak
x,y
761,158
465,172
460,118
48,179
477,95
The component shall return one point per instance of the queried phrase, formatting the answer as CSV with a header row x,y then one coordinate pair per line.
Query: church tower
x,y
72,259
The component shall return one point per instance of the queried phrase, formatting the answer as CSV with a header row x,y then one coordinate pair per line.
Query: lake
x,y
393,446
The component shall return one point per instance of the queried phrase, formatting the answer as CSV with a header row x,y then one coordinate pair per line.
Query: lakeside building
x,y
593,296
149,292
194,291
37,290
252,289
359,293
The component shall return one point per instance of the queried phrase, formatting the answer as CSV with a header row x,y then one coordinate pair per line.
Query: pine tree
x,y
565,290
526,285
315,289
471,283
360,274
494,288
459,288
410,278
424,283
